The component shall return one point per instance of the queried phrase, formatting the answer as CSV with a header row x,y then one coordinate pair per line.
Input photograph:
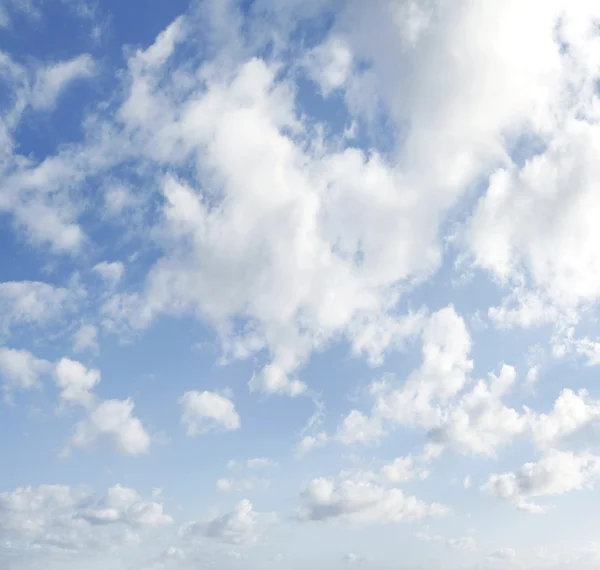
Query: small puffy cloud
x,y
53,80
467,482
21,370
556,473
503,554
532,375
358,428
402,470
111,272
274,379
330,64
31,302
76,382
205,411
232,485
261,463
310,442
362,502
86,338
480,422
127,506
243,525
111,419
571,414
114,420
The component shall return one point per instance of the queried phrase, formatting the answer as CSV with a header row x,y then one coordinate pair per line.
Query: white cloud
x,y
85,338
236,485
310,442
127,506
481,423
31,302
342,212
243,525
330,64
467,482
556,473
358,428
402,470
442,374
76,382
21,370
118,198
362,502
56,518
113,419
504,554
541,217
111,272
356,227
205,411
571,414
51,81
261,463
21,7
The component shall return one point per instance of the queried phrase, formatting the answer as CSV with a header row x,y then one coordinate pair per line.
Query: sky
x,y
303,284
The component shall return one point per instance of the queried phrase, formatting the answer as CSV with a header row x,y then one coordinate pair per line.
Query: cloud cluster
x,y
70,520
362,501
556,473
469,135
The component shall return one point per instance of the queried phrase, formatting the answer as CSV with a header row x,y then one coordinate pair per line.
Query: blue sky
x,y
302,284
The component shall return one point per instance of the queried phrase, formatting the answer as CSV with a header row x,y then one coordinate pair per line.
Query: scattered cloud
x,y
112,272
69,520
556,473
206,411
243,525
362,502
86,338
53,80
114,420
21,370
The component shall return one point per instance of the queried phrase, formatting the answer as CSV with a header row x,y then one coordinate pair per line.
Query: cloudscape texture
x,y
299,284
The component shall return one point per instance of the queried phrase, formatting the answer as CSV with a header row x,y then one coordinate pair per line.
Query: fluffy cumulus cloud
x,y
31,303
383,210
127,506
21,370
556,473
363,502
76,382
205,411
113,419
